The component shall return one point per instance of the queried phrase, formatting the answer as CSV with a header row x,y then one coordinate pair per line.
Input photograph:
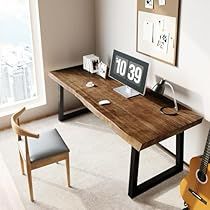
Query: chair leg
x,y
21,164
30,183
68,170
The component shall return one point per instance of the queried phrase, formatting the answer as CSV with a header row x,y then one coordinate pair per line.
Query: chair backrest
x,y
15,122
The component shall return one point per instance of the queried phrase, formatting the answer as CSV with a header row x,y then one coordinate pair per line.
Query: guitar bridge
x,y
198,196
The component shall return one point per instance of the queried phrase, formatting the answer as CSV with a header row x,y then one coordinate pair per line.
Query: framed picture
x,y
90,63
149,4
157,29
102,70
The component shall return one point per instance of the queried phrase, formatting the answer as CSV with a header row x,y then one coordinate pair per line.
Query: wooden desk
x,y
137,120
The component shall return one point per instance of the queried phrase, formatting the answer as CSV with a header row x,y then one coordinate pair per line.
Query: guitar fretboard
x,y
206,156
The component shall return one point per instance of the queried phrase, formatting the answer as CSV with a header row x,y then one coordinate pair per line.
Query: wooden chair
x,y
49,148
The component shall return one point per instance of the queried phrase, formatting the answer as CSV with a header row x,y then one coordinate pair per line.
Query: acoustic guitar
x,y
195,187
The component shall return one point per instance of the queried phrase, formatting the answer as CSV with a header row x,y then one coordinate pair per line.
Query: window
x,y
21,65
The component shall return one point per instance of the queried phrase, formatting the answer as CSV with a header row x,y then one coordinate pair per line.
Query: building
x,y
17,80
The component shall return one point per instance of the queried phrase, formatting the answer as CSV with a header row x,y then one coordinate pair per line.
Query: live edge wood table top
x,y
137,120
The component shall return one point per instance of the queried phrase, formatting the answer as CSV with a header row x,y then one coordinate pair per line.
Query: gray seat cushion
x,y
49,144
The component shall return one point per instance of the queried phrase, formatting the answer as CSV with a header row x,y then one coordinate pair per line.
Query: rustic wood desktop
x,y
137,120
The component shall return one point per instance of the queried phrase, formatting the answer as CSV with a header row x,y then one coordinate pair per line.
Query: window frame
x,y
38,65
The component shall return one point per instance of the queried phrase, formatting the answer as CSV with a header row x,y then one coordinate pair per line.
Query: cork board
x,y
157,29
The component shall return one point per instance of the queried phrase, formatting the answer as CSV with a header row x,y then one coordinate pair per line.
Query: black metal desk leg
x,y
180,151
61,103
61,114
135,189
134,167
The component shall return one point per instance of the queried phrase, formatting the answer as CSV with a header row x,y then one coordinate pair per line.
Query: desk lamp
x,y
160,88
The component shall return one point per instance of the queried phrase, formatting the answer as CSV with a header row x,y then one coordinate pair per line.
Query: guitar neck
x,y
206,156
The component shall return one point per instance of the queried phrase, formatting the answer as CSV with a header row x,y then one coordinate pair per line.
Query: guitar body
x,y
191,182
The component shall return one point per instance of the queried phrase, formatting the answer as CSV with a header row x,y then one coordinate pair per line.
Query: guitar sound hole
x,y
201,176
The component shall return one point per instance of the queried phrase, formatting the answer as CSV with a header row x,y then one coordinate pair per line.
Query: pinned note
x,y
149,4
171,44
163,42
148,31
159,27
162,2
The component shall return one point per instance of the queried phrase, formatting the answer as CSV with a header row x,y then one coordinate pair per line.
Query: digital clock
x,y
129,71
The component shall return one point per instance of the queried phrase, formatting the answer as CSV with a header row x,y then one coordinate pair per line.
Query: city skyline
x,y
17,78
17,81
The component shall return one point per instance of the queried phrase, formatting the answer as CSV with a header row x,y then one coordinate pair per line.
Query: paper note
x,y
171,44
159,27
162,43
162,2
148,31
149,4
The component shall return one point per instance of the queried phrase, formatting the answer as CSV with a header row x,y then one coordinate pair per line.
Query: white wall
x,y
68,32
116,29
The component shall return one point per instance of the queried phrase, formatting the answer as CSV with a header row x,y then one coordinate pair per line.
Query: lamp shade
x,y
159,87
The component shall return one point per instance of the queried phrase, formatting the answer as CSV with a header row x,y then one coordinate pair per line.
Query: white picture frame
x,y
102,70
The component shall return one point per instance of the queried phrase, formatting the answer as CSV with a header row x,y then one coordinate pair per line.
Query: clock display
x,y
129,71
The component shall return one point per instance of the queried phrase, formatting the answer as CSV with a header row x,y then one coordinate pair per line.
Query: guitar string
x,y
206,156
204,161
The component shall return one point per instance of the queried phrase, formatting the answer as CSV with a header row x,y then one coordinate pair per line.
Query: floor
x,y
99,170
9,196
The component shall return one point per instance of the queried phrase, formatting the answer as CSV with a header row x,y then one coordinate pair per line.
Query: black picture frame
x,y
141,87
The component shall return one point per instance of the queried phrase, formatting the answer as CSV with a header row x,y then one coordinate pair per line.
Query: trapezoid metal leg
x,y
62,116
135,189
